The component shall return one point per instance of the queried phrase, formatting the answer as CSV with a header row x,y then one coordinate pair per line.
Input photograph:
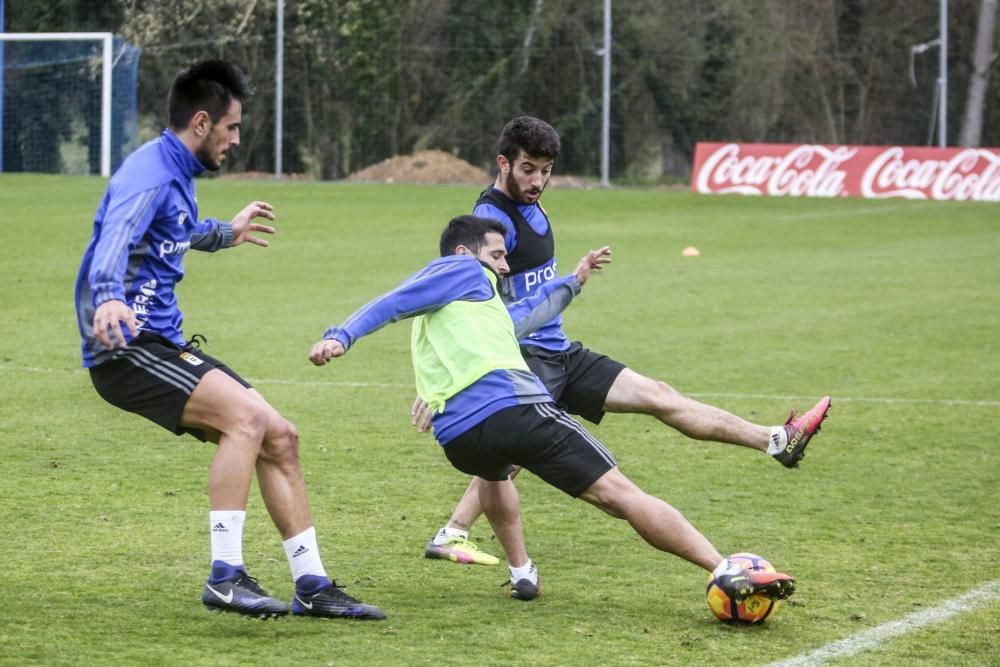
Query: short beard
x,y
516,193
206,161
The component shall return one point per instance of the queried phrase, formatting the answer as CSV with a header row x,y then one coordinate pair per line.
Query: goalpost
x,y
106,42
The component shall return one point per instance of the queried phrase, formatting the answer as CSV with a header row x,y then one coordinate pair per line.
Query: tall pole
x,y
943,78
2,43
279,86
107,62
606,99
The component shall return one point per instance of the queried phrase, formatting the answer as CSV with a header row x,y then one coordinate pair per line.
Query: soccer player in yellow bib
x,y
490,412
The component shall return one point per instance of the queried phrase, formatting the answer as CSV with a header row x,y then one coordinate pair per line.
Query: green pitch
x,y
893,307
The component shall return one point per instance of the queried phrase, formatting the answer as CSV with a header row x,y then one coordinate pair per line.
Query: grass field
x,y
893,307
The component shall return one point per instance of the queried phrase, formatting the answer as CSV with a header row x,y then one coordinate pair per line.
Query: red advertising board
x,y
876,172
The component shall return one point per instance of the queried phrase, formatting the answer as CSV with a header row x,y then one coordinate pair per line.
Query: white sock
x,y
526,571
226,529
303,554
779,439
726,567
446,532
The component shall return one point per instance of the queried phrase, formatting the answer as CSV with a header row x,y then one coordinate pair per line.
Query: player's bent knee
x,y
282,440
666,397
665,403
248,421
220,405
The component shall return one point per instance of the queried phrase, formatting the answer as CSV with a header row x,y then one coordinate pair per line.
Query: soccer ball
x,y
755,609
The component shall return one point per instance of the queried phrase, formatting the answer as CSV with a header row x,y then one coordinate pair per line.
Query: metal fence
x,y
363,81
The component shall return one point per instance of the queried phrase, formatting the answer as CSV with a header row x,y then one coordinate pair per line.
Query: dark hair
x,y
532,135
210,86
470,231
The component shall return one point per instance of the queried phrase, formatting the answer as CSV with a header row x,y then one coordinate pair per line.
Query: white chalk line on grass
x,y
333,383
832,213
880,634
711,394
305,383
855,399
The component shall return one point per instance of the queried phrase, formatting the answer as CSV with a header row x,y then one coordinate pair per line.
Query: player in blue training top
x,y
491,413
583,382
146,222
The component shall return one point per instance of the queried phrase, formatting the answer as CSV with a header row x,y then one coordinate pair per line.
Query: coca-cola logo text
x,y
809,170
972,173
806,170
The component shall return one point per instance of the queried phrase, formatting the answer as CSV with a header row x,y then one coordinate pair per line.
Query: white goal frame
x,y
107,40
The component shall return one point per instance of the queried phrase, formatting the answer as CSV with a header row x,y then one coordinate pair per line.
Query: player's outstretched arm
x,y
325,350
550,299
595,260
442,281
244,227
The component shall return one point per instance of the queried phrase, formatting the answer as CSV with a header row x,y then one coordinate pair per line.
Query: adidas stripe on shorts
x,y
153,377
537,436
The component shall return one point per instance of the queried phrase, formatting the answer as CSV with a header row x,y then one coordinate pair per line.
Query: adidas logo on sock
x,y
219,528
301,550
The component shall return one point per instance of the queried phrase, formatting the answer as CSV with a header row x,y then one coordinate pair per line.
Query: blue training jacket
x,y
461,278
146,222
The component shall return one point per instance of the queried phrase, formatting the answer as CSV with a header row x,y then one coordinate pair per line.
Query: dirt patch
x,y
434,166
429,167
424,167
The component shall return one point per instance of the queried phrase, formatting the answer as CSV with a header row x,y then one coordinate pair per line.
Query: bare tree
x,y
982,58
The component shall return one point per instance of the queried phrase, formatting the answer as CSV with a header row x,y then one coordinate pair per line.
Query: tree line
x,y
368,79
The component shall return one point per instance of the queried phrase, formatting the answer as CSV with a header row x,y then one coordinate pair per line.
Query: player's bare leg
x,y
279,475
657,522
469,507
452,541
283,488
502,507
632,392
665,528
250,435
238,423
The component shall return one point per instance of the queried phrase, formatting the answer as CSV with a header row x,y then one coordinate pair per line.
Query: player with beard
x,y
581,381
146,222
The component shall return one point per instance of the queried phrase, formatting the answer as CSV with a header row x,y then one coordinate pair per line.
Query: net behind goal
x,y
69,102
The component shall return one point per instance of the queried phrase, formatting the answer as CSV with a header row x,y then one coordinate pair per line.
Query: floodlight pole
x,y
279,86
606,98
943,77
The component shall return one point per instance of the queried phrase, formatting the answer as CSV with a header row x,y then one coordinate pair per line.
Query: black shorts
x,y
538,437
578,379
153,377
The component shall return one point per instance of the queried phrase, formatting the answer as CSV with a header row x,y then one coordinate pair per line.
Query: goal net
x,y
68,102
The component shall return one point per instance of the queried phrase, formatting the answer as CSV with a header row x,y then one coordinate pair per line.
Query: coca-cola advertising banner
x,y
876,172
